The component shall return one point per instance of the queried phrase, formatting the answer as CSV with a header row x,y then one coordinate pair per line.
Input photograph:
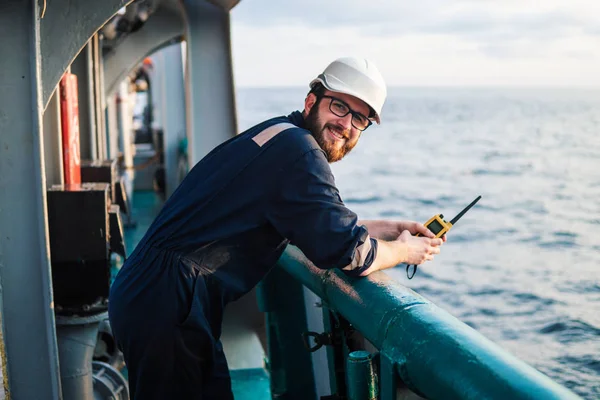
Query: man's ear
x,y
309,102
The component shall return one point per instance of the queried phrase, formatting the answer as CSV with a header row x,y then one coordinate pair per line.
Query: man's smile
x,y
336,134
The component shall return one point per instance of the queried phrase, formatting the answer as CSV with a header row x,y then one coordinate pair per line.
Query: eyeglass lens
x,y
341,110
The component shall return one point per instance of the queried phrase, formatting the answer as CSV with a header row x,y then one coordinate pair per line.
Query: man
x,y
230,220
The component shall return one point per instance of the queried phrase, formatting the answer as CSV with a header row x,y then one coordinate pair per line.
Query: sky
x,y
420,43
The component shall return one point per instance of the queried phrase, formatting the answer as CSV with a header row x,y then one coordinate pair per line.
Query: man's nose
x,y
346,122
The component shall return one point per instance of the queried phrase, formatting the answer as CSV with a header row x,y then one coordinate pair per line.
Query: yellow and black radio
x,y
439,227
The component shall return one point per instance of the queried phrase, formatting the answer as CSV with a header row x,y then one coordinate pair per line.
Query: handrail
x,y
434,353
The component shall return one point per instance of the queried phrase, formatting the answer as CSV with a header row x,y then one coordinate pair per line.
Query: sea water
x,y
523,266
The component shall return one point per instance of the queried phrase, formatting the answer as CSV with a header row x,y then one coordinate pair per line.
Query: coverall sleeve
x,y
307,209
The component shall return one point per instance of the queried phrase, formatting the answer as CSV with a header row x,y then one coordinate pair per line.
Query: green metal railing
x,y
420,345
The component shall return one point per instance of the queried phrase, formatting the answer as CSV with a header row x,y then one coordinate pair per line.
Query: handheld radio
x,y
438,226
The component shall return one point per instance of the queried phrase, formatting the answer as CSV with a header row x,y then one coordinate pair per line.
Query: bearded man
x,y
230,220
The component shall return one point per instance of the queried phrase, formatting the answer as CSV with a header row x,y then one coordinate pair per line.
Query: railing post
x,y
362,376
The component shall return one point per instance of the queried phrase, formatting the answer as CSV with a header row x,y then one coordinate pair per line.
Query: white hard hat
x,y
357,77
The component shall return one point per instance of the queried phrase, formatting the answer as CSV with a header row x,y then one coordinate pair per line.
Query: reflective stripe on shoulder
x,y
360,255
269,133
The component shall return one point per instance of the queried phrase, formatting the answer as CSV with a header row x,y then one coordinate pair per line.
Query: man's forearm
x,y
389,254
381,229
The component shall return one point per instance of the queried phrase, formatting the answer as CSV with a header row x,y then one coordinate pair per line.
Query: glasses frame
x,y
350,111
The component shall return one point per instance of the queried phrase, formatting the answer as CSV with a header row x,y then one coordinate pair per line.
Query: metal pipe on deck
x,y
76,342
99,102
112,127
362,376
83,68
434,354
53,141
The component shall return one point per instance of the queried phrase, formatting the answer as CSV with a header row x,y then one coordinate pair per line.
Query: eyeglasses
x,y
341,109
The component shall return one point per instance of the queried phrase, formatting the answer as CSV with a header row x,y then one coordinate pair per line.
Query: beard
x,y
319,130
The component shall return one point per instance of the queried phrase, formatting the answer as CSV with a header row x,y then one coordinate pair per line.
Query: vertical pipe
x,y
82,66
27,302
77,338
362,377
112,124
99,132
53,141
91,98
101,94
124,119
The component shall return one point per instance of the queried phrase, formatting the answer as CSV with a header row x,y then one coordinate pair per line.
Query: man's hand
x,y
420,249
407,249
391,230
414,228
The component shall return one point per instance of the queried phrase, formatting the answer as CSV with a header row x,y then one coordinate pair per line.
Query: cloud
x,y
478,21
421,42
332,13
592,30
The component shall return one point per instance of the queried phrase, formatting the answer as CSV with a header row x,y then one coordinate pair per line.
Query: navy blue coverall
x,y
215,238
